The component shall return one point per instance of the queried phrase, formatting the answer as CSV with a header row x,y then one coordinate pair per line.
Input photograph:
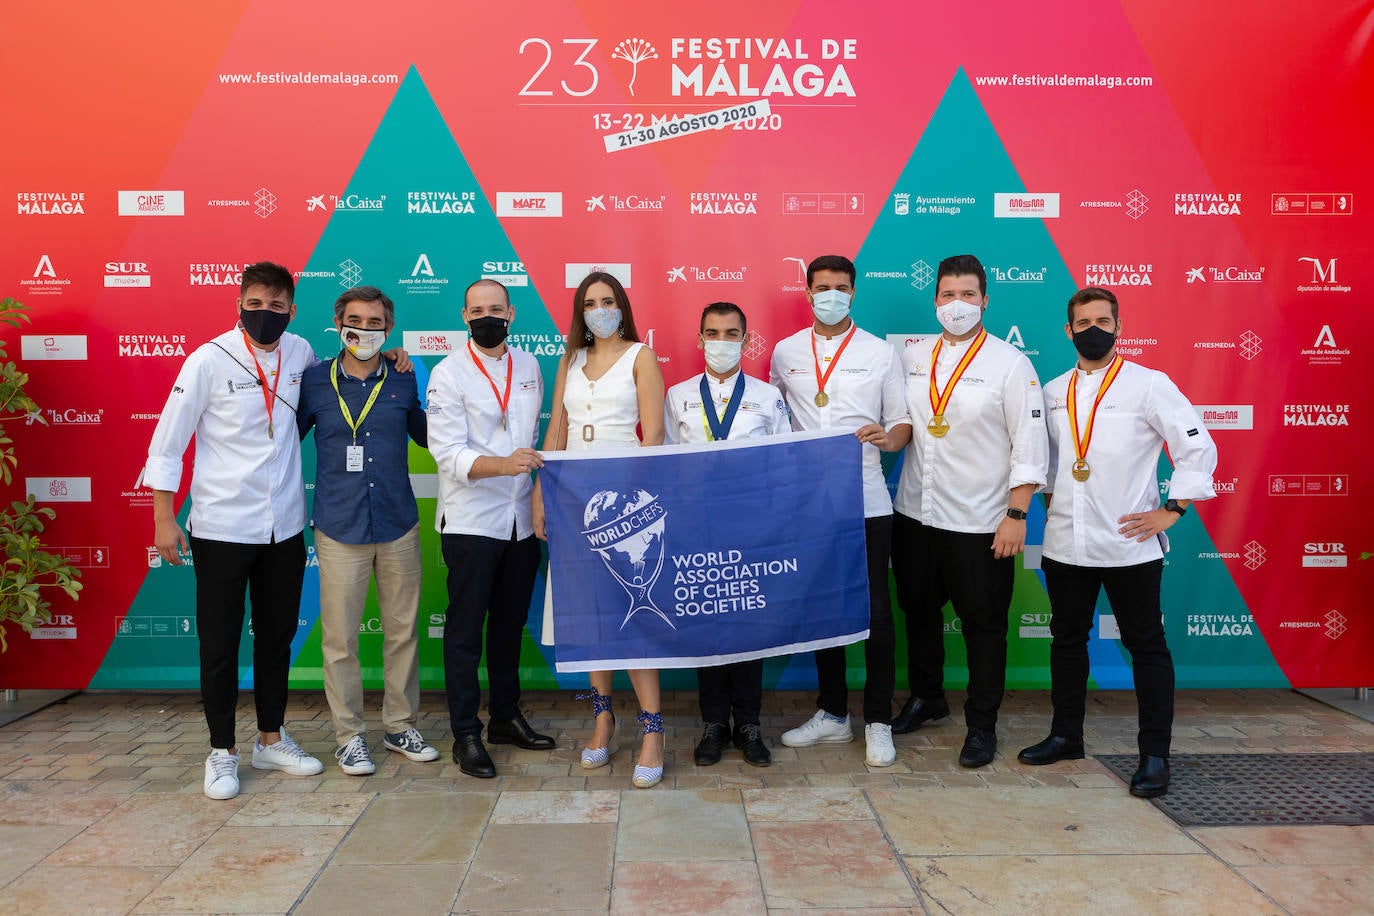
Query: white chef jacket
x,y
996,439
465,424
1142,411
761,411
246,488
865,387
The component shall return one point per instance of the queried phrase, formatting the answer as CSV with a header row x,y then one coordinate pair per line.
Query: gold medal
x,y
1081,440
822,377
939,400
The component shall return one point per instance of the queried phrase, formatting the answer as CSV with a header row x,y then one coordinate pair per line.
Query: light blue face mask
x,y
602,322
830,306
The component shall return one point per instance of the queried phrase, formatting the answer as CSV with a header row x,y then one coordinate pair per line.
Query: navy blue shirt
x,y
374,505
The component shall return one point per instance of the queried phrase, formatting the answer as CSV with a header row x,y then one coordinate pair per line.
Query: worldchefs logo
x,y
625,529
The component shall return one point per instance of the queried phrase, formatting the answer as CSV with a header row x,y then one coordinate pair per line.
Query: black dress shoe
x,y
472,757
1151,777
711,745
748,740
916,712
518,732
979,748
1052,750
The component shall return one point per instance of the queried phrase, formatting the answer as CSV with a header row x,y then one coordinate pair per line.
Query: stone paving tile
x,y
540,867
106,889
687,888
400,829
423,888
703,824
138,830
817,864
1182,884
24,845
1311,889
1289,845
246,870
1004,821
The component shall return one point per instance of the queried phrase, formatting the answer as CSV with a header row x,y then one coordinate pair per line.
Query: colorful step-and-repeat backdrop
x,y
1208,162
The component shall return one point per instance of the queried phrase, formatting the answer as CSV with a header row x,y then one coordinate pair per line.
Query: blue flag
x,y
693,555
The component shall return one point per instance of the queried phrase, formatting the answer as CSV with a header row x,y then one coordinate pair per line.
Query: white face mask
x,y
830,306
362,344
602,322
958,317
722,355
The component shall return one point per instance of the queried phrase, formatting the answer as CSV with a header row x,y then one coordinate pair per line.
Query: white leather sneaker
x,y
286,755
221,774
822,728
878,737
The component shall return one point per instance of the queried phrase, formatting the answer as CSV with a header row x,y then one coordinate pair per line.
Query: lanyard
x,y
268,399
502,402
371,399
939,400
1081,443
821,397
717,428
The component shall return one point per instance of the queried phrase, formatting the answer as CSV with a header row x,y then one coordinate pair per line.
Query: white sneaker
x,y
286,755
221,774
354,758
822,728
878,737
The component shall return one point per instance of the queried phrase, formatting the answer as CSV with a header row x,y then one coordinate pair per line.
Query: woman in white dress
x,y
609,383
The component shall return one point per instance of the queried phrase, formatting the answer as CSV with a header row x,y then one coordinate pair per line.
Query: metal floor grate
x,y
1238,790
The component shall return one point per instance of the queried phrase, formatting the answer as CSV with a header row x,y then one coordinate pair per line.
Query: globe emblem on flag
x,y
625,528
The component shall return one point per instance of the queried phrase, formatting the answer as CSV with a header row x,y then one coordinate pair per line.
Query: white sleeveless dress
x,y
600,414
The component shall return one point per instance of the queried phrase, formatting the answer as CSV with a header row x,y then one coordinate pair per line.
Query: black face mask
x,y
264,325
488,331
1093,343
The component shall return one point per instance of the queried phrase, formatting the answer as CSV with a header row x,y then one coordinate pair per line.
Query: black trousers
x,y
271,574
736,687
933,566
1134,594
879,658
490,582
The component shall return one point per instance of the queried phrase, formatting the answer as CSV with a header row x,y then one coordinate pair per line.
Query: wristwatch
x,y
1173,506
1018,514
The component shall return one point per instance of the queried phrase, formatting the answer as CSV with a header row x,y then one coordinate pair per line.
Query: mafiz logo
x,y
625,528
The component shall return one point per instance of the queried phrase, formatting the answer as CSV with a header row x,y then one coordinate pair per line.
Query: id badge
x,y
354,458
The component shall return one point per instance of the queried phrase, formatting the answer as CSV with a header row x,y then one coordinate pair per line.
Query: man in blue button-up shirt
x,y
365,519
